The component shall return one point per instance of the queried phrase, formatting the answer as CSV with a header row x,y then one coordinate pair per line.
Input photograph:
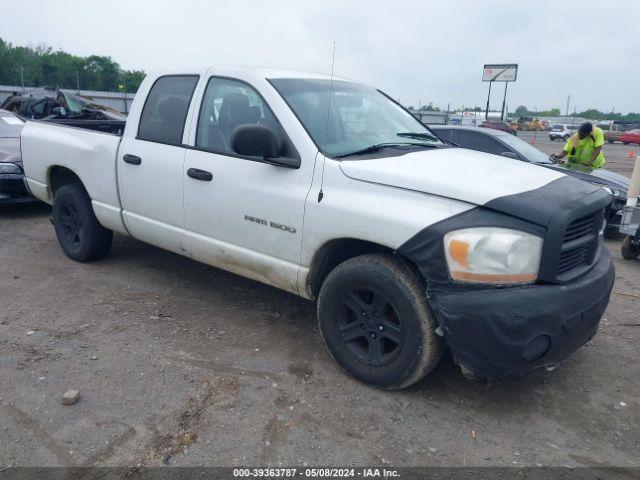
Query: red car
x,y
632,136
504,126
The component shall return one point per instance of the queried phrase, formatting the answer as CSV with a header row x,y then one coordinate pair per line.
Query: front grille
x,y
579,244
579,228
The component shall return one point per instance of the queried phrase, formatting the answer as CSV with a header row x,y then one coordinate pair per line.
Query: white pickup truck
x,y
331,190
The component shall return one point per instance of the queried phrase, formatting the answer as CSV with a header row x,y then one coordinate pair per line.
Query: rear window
x,y
165,111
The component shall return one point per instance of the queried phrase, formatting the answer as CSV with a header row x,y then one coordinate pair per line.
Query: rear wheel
x,y
629,249
374,318
79,233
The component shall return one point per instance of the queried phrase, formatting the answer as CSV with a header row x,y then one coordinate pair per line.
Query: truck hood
x,y
457,173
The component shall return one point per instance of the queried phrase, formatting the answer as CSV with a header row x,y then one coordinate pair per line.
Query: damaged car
x,y
52,104
12,185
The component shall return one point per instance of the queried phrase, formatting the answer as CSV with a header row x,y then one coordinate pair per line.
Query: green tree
x,y
44,66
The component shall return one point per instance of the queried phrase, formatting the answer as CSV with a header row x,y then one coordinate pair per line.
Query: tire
x,y
80,235
610,141
628,250
565,138
374,318
625,143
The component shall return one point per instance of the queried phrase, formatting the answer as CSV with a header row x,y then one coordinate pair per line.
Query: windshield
x,y
359,117
557,128
530,153
75,103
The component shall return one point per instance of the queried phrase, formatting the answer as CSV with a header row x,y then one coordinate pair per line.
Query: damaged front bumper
x,y
510,331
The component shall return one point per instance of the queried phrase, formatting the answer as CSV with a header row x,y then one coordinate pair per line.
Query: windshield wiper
x,y
380,146
419,136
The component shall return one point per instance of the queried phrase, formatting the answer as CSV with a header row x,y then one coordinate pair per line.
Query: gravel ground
x,y
183,364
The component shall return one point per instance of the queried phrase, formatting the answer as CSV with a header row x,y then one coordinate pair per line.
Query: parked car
x,y
503,126
560,131
612,133
12,185
498,143
632,136
331,190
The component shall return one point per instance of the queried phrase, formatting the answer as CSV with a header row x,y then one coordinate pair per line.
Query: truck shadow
x,y
291,319
24,210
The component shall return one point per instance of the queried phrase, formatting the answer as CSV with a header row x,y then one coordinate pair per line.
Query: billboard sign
x,y
500,73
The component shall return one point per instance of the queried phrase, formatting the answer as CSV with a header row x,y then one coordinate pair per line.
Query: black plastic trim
x,y
555,206
426,248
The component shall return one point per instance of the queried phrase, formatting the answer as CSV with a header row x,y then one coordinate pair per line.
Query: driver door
x,y
241,214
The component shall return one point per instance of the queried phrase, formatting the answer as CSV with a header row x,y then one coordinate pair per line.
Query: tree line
x,y
41,65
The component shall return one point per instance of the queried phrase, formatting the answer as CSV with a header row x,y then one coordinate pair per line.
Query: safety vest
x,y
578,156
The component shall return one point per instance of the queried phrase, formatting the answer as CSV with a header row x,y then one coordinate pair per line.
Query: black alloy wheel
x,y
71,225
370,326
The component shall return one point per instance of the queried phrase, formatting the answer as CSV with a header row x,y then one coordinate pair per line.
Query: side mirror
x,y
255,140
510,155
61,111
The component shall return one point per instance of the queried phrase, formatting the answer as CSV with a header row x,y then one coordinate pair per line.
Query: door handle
x,y
132,159
198,174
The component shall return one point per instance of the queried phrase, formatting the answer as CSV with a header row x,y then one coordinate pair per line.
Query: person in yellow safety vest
x,y
584,147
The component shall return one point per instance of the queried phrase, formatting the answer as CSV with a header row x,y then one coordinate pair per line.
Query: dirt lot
x,y
180,363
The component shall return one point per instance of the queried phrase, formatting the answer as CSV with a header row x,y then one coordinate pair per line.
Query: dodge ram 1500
x,y
331,190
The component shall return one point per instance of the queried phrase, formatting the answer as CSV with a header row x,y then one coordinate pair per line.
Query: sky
x,y
417,51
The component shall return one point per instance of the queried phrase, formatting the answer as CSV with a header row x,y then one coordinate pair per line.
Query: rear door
x,y
150,164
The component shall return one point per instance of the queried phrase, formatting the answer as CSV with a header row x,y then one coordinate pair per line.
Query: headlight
x,y
492,255
9,168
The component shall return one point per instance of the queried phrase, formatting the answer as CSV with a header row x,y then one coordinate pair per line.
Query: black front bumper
x,y
510,331
13,189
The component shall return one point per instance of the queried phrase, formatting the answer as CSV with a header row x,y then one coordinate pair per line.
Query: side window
x,y
226,104
165,111
479,142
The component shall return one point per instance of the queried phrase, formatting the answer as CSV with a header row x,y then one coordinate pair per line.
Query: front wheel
x,y
374,318
79,233
629,250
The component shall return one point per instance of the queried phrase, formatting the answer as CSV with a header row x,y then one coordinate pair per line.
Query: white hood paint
x,y
458,173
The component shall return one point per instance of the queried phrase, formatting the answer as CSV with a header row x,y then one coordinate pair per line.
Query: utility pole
x,y
567,110
77,81
124,84
22,78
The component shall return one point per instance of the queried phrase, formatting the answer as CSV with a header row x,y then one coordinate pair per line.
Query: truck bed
x,y
89,154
